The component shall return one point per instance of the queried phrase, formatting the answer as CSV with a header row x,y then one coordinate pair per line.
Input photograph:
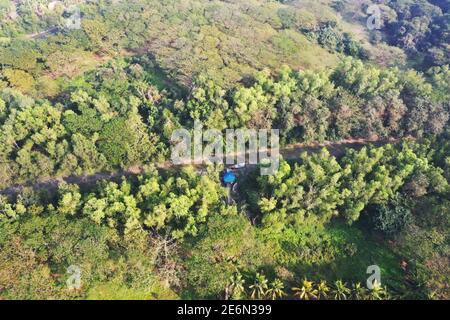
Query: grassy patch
x,y
336,251
115,291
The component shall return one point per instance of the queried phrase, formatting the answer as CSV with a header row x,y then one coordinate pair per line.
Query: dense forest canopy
x,y
102,100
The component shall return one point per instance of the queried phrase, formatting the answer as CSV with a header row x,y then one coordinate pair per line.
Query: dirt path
x,y
291,152
43,34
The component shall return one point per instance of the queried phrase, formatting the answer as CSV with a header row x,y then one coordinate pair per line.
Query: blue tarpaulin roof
x,y
229,177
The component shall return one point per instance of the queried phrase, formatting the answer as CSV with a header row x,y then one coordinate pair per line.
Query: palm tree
x,y
340,290
378,292
322,290
236,287
359,292
276,290
259,287
307,291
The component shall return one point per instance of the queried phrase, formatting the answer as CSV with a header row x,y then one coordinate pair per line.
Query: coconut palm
x,y
276,290
259,287
378,292
236,287
358,291
306,291
341,292
322,290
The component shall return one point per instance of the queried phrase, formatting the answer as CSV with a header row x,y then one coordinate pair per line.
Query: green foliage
x,y
223,255
221,37
310,191
425,243
34,139
108,97
113,141
225,245
320,187
116,291
419,27
376,174
50,241
18,79
175,204
22,275
330,37
392,217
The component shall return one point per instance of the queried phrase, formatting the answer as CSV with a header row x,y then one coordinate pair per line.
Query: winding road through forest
x,y
291,152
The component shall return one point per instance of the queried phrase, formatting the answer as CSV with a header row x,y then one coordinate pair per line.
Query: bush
x,y
391,218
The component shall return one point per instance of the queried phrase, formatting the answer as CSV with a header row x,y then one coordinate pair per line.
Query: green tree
x,y
276,290
340,290
306,291
260,287
224,244
322,290
236,288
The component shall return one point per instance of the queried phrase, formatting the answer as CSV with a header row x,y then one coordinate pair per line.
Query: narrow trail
x,y
292,152
43,34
